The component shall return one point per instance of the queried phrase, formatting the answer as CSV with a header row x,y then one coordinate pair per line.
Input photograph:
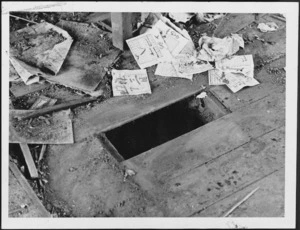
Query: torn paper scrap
x,y
181,17
28,74
130,82
238,81
174,40
41,130
167,69
202,95
215,49
149,49
237,64
43,46
267,27
187,64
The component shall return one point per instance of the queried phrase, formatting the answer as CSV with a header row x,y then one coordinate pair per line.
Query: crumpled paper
x,y
236,72
215,49
267,27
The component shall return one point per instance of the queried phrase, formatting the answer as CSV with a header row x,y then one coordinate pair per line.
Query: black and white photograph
x,y
149,114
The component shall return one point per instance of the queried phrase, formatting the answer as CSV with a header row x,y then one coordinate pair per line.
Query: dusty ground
x,y
85,180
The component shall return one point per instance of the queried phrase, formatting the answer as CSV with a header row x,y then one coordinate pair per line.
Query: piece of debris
x,y
91,53
130,82
43,102
59,132
202,95
214,49
29,160
38,50
240,202
267,27
43,150
128,172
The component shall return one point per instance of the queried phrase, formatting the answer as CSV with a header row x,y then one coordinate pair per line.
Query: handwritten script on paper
x,y
167,69
130,82
149,49
174,40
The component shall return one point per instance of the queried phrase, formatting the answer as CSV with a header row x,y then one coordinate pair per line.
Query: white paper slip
x,y
130,82
167,69
174,40
149,49
238,81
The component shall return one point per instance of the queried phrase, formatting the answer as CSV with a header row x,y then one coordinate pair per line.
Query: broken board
x,y
19,89
54,130
90,55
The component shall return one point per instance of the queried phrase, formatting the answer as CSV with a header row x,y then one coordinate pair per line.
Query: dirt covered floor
x,y
239,146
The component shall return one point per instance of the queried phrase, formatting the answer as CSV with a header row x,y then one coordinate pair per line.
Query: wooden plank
x,y
211,140
232,23
195,189
29,161
117,111
19,89
36,208
98,16
263,204
121,28
56,129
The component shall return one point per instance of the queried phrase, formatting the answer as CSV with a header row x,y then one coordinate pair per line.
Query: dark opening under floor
x,y
156,128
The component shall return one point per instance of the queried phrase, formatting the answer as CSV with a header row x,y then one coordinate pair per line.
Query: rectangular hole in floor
x,y
161,126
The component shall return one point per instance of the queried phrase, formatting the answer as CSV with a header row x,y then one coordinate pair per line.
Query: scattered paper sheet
x,y
174,40
237,64
238,81
27,73
54,130
50,59
187,64
167,69
267,27
130,82
215,49
149,49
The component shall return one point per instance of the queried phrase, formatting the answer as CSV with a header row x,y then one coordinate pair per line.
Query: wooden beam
x,y
54,108
121,29
29,160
